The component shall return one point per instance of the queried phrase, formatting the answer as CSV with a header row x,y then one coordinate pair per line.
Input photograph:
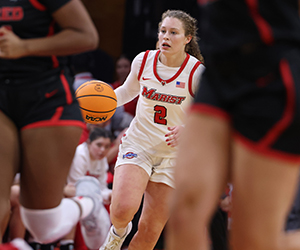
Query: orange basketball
x,y
97,101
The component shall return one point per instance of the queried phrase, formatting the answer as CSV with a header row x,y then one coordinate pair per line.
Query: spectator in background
x,y
90,159
122,69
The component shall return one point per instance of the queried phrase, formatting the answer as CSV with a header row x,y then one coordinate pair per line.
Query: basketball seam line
x,y
96,95
98,111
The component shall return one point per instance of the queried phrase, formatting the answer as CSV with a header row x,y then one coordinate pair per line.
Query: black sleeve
x,y
53,5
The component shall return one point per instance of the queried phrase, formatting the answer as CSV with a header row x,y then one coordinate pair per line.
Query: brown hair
x,y
190,27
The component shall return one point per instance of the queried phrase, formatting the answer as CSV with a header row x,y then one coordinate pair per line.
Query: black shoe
x,y
50,246
35,245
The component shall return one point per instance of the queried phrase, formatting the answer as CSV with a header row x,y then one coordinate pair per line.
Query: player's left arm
x,y
78,34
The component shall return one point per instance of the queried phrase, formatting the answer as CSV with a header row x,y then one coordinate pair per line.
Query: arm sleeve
x,y
52,6
197,77
131,87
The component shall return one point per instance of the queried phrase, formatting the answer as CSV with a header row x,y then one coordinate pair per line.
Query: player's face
x,y
99,148
171,36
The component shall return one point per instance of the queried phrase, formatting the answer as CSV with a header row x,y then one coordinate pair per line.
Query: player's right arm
x,y
78,34
131,87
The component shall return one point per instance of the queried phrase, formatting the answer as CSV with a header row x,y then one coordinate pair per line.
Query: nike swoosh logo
x,y
145,78
52,93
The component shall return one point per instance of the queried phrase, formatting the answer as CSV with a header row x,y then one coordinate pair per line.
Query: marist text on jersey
x,y
153,95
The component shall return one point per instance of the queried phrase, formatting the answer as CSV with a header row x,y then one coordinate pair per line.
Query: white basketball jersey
x,y
162,102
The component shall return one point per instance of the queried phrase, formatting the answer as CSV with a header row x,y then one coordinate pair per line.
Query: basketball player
x,y
244,124
165,81
40,121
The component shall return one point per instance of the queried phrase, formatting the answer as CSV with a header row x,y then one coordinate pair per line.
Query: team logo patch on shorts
x,y
129,155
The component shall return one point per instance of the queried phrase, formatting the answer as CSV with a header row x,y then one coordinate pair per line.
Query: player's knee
x,y
39,222
150,230
124,211
48,225
189,200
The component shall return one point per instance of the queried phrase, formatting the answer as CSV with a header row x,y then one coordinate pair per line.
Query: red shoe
x,y
16,244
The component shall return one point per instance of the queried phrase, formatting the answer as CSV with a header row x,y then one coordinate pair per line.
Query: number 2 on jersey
x,y
160,114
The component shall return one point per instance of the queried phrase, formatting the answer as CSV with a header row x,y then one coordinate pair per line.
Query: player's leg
x,y
264,189
9,161
130,182
16,226
200,177
154,216
47,156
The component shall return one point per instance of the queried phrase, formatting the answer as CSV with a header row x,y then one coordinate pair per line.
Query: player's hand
x,y
121,134
173,135
11,46
69,190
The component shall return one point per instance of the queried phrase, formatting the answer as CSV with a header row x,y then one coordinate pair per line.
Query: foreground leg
x,y
47,156
264,189
200,178
9,161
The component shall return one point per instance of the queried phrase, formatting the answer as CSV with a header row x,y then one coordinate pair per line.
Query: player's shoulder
x,y
193,59
195,64
147,53
137,61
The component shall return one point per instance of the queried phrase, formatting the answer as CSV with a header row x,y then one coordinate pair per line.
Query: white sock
x,y
86,204
48,225
20,244
120,231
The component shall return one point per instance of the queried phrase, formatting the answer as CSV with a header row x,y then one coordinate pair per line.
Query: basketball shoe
x,y
113,241
16,244
95,226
